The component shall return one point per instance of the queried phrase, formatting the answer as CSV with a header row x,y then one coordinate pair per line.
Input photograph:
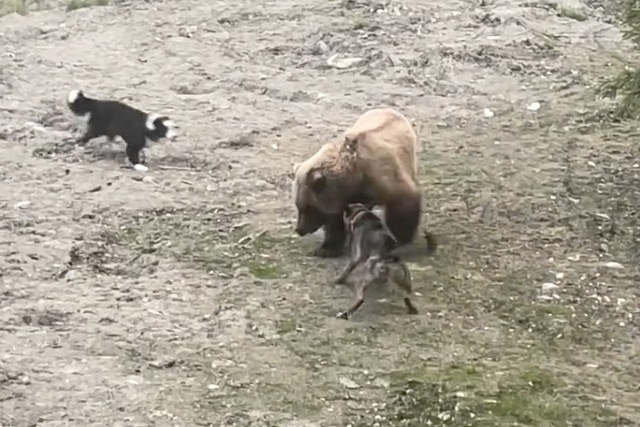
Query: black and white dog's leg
x,y
143,156
134,146
88,135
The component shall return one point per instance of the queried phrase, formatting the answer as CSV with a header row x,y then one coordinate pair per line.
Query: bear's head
x,y
324,184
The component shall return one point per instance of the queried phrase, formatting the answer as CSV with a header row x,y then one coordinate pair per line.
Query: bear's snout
x,y
307,224
302,229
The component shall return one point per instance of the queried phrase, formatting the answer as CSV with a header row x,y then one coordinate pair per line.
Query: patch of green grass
x,y
553,326
528,397
122,236
264,271
23,7
205,243
472,394
624,87
16,6
267,242
79,4
365,335
534,317
475,395
285,326
212,262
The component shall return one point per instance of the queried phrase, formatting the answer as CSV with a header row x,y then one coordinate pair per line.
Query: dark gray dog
x,y
371,241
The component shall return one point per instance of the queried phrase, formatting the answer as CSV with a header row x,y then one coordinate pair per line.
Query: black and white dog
x,y
113,118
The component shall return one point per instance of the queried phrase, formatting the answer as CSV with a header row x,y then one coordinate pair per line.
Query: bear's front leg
x,y
335,236
403,219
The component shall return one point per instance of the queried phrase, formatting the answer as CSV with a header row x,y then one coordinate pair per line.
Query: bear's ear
x,y
350,144
316,180
294,170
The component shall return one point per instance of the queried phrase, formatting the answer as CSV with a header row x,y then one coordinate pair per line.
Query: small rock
x,y
534,106
163,364
346,382
187,32
444,416
22,205
241,271
36,126
71,275
380,382
613,264
334,62
487,113
320,48
548,287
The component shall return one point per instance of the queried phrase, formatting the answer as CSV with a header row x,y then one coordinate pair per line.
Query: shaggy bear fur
x,y
375,164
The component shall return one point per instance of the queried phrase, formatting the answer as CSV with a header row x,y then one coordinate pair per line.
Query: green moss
x,y
264,271
79,4
284,326
474,395
572,14
625,86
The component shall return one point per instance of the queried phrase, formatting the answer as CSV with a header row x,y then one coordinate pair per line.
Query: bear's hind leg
x,y
335,236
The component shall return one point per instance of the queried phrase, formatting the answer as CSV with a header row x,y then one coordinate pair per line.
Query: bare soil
x,y
182,297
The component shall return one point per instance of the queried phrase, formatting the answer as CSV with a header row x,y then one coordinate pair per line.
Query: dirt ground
x,y
182,297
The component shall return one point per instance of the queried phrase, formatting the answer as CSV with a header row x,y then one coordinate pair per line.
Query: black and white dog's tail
x,y
158,127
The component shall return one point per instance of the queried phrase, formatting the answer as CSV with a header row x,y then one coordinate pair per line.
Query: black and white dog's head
x,y
78,103
159,127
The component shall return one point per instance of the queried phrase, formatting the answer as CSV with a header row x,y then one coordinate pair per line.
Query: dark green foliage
x,y
626,85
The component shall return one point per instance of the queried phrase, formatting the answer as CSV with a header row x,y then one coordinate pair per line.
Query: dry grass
x,y
17,6
533,376
186,294
79,4
23,7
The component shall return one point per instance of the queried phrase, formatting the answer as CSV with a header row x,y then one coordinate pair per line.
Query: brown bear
x,y
375,164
